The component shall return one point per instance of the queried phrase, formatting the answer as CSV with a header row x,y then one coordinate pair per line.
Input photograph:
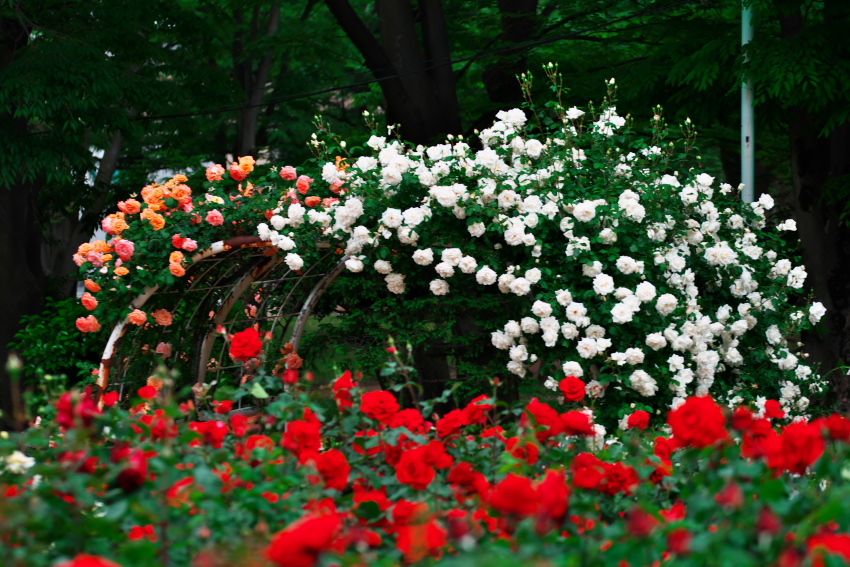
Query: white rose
x,y
643,383
516,368
505,281
533,275
383,267
520,286
592,270
569,331
486,276
529,325
439,287
645,291
501,340
476,229
451,256
572,368
541,309
816,312
656,341
395,283
467,265
413,216
354,265
603,284
423,257
392,218
445,269
585,211
587,348
278,222
519,353
576,311
293,261
563,297
622,313
666,304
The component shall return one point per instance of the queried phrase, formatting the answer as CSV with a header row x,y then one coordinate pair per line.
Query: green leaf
x,y
258,391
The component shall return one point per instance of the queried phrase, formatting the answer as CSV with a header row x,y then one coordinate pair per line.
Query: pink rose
x,y
88,324
177,240
237,172
189,245
215,172
215,218
125,249
106,225
288,173
95,258
303,184
88,301
164,349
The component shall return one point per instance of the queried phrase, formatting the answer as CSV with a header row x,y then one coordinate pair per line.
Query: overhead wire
x,y
430,65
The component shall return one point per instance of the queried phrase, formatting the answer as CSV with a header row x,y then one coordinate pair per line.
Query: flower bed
x,y
370,482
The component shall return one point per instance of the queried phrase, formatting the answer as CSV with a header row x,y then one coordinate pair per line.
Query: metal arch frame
x,y
120,329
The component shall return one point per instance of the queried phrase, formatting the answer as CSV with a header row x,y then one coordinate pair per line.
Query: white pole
x,y
747,121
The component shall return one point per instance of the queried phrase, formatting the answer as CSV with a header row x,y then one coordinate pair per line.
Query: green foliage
x,y
49,345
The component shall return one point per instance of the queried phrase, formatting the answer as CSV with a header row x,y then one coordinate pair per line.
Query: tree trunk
x,y
411,91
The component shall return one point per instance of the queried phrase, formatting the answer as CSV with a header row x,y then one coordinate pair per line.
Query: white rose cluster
x,y
696,296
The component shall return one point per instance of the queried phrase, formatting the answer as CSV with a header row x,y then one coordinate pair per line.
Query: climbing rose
x,y
215,218
639,420
88,324
245,344
215,172
88,301
288,173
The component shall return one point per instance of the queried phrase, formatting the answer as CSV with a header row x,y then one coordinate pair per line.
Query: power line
x,y
432,65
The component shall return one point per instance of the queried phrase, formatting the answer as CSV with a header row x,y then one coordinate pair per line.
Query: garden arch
x,y
236,282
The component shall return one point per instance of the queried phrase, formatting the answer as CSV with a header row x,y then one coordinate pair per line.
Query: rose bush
x,y
612,258
372,482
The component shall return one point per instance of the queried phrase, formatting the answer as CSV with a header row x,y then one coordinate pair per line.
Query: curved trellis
x,y
235,283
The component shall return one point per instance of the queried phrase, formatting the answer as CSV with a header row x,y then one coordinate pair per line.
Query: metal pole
x,y
747,121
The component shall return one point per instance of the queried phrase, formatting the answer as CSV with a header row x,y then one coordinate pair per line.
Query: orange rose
x,y
155,383
106,257
176,257
121,271
101,246
246,164
152,194
85,248
92,286
158,222
88,301
163,317
119,225
137,317
181,192
177,270
148,213
130,206
312,201
180,178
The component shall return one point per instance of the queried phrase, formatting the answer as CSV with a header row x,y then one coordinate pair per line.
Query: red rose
x,y
574,389
213,432
411,419
526,451
619,478
380,405
435,455
798,447
334,468
302,436
542,415
134,474
639,420
223,407
413,471
773,409
85,560
834,544
301,543
742,419
515,495
756,438
245,344
476,410
553,503
576,423
838,426
452,423
75,409
679,541
418,541
587,471
699,422
641,523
